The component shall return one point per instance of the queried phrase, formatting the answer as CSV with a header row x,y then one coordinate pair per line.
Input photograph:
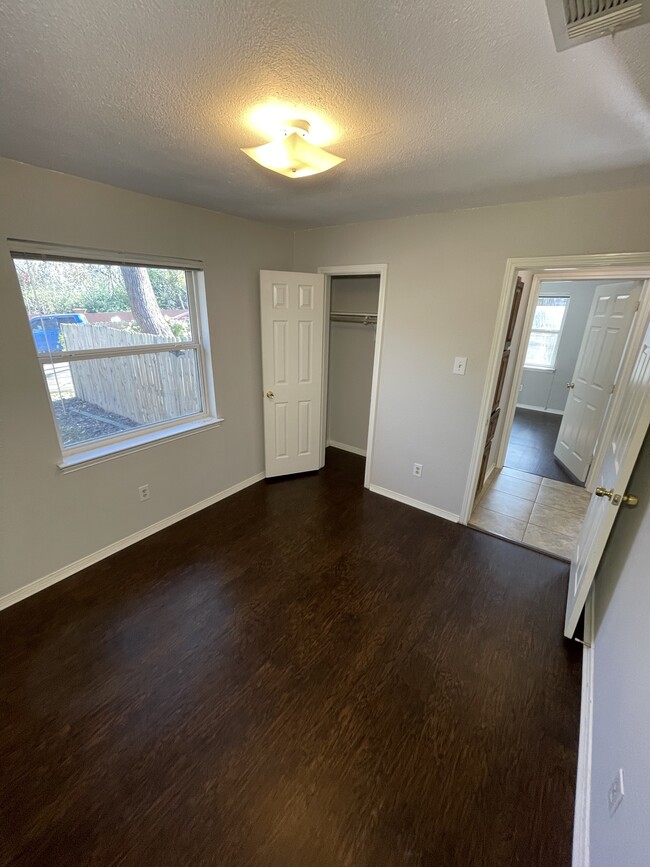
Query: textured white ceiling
x,y
437,104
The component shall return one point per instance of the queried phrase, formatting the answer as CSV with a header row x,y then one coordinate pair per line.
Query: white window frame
x,y
551,366
105,448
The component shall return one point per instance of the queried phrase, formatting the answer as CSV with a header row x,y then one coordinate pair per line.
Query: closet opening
x,y
354,302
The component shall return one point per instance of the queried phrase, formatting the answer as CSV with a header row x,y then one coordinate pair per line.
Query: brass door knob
x,y
603,492
630,500
270,395
570,385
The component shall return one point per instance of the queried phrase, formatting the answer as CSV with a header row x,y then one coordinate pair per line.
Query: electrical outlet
x,y
143,493
616,792
459,365
417,470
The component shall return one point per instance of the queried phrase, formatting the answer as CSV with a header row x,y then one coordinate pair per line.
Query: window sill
x,y
540,369
88,457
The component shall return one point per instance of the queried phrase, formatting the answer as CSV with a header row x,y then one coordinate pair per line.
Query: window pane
x,y
90,305
104,397
549,313
541,349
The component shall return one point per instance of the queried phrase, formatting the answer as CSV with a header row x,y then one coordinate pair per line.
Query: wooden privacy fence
x,y
144,388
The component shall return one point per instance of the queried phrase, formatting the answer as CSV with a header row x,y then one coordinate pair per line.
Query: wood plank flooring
x,y
303,675
531,444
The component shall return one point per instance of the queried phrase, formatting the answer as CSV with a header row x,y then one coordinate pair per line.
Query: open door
x,y
498,391
292,314
606,333
629,427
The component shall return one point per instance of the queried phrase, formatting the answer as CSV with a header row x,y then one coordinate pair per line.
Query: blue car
x,y
47,330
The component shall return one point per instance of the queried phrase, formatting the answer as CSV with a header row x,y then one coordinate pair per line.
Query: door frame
x,y
610,266
375,270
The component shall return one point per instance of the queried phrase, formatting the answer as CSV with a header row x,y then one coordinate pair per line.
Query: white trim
x,y
91,254
622,265
346,448
581,822
417,504
88,457
380,271
114,547
539,408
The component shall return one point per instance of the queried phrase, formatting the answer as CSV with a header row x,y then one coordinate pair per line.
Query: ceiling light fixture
x,y
292,154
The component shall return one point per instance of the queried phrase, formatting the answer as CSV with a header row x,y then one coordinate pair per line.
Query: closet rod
x,y
363,318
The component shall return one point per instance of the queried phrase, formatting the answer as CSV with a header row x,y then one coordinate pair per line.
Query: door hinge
x,y
613,387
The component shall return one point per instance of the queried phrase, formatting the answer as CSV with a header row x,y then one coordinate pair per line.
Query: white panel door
x,y
628,429
608,326
292,309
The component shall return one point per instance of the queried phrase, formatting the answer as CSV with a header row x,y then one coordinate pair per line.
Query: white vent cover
x,y
576,21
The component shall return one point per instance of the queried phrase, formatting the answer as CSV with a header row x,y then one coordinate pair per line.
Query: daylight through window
x,y
546,331
119,345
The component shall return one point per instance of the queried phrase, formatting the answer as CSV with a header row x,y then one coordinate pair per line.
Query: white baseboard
x,y
346,448
114,547
581,826
417,504
540,409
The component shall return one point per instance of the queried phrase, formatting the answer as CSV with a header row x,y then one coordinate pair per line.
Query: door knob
x,y
270,395
603,492
630,500
570,385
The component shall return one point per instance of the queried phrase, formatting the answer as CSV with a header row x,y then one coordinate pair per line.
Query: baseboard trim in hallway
x,y
66,571
417,504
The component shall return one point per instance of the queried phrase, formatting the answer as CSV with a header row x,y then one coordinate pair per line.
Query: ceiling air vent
x,y
576,21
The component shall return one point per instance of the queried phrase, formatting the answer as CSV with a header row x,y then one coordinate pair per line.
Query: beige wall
x,y
445,274
50,519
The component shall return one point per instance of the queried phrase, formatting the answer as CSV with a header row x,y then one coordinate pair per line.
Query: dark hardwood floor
x,y
303,675
531,444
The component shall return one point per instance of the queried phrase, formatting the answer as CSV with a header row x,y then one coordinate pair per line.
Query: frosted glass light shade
x,y
293,156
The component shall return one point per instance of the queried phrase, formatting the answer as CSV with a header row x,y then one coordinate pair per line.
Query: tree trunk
x,y
143,302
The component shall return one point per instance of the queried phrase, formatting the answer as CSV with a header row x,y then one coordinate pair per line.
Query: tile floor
x,y
540,512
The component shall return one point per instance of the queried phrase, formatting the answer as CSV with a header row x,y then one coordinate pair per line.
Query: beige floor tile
x,y
517,487
553,483
507,504
494,522
549,540
573,500
520,474
558,520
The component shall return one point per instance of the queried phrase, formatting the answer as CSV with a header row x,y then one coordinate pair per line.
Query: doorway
x,y
352,341
354,302
573,332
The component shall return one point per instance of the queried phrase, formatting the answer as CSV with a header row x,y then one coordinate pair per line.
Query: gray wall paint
x,y
546,389
621,688
352,350
50,519
445,274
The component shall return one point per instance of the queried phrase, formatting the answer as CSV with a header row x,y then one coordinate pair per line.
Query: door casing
x,y
607,267
375,270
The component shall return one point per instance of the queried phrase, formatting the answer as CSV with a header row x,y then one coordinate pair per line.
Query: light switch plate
x,y
460,364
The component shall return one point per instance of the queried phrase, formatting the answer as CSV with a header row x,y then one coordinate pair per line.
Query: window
x,y
120,348
546,331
